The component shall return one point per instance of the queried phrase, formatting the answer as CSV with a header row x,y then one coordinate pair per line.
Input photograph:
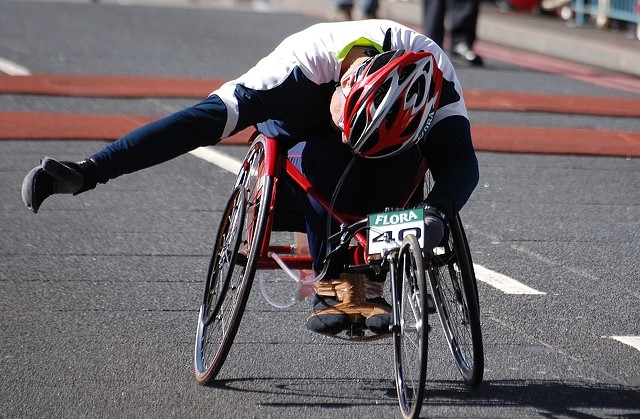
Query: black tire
x,y
410,338
233,265
455,293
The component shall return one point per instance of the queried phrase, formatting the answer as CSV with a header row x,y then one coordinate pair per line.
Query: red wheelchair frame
x,y
422,283
277,163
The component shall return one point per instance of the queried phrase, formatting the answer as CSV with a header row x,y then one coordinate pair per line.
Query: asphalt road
x,y
99,293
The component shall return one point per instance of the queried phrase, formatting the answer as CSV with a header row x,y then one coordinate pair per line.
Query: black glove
x,y
53,177
433,227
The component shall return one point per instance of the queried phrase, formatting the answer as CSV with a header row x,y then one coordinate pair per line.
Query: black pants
x,y
464,18
371,185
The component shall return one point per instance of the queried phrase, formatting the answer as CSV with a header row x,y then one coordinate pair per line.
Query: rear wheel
x,y
233,265
410,339
455,294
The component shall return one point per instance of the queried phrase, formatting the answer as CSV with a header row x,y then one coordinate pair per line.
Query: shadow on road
x,y
555,398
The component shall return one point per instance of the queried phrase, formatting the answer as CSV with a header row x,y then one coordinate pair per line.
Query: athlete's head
x,y
388,102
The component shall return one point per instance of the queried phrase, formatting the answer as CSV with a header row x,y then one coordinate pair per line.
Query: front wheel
x,y
233,265
410,338
455,293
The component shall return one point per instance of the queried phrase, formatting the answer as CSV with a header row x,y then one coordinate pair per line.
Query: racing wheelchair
x,y
420,283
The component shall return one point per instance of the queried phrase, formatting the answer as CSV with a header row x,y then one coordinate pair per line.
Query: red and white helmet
x,y
391,103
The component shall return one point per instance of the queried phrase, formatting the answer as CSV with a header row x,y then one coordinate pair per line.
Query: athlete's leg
x,y
233,107
370,185
364,186
174,135
162,140
322,159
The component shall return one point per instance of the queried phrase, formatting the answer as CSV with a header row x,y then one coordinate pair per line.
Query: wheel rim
x,y
222,286
454,316
411,342
225,258
456,303
216,330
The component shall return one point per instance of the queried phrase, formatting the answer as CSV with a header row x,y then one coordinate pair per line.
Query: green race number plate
x,y
388,229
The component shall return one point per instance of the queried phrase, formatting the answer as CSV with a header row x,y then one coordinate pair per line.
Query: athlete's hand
x,y
434,228
49,178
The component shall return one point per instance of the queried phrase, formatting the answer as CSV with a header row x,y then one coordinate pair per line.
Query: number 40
x,y
387,236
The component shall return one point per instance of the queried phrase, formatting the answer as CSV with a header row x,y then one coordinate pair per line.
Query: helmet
x,y
392,102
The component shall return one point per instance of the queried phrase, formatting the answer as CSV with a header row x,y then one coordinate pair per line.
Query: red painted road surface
x,y
51,126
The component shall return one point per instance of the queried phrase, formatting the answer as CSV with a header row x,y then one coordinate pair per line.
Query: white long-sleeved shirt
x,y
296,80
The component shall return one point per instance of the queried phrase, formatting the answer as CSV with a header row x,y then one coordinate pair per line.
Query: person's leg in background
x,y
370,9
343,10
463,17
433,14
464,21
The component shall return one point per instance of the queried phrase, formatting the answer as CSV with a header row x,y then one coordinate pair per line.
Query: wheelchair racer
x,y
373,89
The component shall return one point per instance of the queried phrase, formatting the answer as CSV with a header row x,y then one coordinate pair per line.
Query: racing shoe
x,y
326,320
380,319
351,300
54,177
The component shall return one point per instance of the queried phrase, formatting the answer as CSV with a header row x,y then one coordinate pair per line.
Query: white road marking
x,y
633,341
503,282
13,69
495,279
221,160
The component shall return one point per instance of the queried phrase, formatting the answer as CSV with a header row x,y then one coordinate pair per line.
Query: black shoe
x,y
322,320
379,323
462,54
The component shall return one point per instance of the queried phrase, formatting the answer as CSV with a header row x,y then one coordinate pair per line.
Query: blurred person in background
x,y
463,18
344,9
